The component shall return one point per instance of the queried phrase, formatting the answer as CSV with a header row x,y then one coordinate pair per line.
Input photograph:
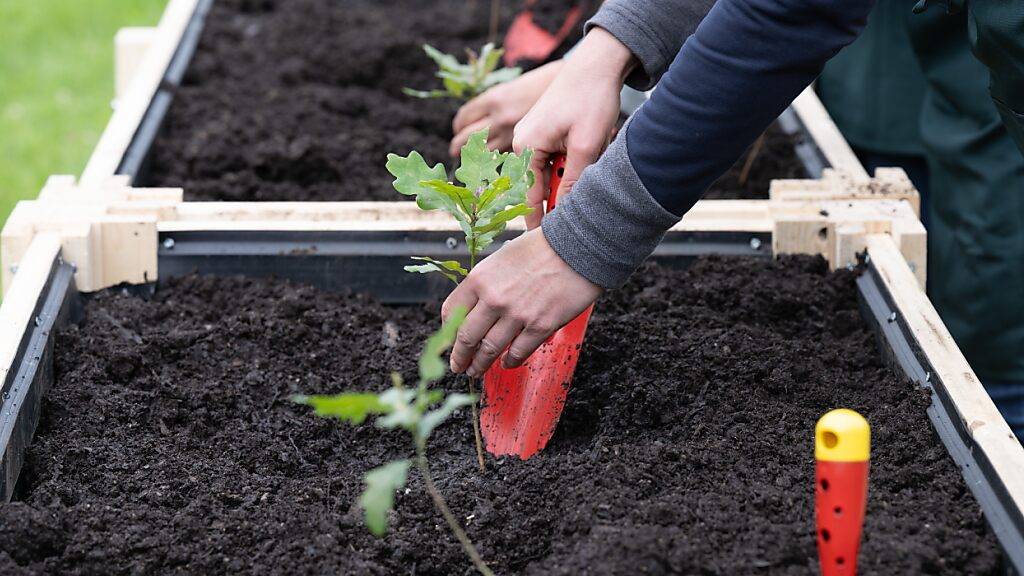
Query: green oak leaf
x,y
479,166
402,411
425,94
378,499
432,368
435,417
499,221
410,172
462,197
352,407
467,80
450,269
443,61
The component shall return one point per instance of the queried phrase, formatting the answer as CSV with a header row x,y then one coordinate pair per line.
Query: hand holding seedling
x,y
493,193
466,80
576,115
501,108
516,297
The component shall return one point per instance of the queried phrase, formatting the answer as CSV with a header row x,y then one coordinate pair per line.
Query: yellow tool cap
x,y
842,436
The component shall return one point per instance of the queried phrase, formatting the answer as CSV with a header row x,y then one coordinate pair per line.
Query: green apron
x,y
976,236
873,88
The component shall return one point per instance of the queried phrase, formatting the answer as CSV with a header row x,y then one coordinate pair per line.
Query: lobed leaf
x,y
409,172
479,166
462,197
499,221
378,499
432,368
434,418
352,407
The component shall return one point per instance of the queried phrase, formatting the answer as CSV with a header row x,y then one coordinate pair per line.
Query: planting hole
x,y
830,439
825,535
823,233
838,510
839,560
561,171
824,483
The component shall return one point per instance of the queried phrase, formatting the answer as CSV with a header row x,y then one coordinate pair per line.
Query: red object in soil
x,y
522,405
525,40
841,489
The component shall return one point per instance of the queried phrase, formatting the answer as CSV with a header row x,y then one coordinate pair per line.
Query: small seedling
x,y
418,411
493,192
466,81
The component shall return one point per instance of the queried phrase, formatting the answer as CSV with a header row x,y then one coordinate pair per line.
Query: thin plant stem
x,y
492,35
476,428
754,150
442,507
474,413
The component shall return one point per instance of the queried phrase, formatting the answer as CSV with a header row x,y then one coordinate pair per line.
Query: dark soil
x,y
302,100
168,444
776,158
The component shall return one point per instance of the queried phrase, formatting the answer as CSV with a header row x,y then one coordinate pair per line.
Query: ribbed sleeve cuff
x,y
610,223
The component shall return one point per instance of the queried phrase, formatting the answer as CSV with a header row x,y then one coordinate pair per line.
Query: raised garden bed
x,y
685,445
275,105
719,367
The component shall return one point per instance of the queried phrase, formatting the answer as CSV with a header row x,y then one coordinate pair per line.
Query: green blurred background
x,y
56,84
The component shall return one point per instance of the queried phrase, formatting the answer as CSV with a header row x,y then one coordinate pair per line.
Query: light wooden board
x,y
976,410
130,47
144,83
18,307
825,133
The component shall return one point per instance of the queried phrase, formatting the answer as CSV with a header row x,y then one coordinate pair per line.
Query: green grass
x,y
56,84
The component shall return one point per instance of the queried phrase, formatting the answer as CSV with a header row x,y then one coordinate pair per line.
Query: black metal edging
x,y
136,157
807,150
366,261
901,349
32,372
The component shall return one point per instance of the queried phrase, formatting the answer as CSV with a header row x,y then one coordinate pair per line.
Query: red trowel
x,y
522,405
525,40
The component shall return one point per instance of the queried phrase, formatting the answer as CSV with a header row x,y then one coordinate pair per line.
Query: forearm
x,y
653,30
743,66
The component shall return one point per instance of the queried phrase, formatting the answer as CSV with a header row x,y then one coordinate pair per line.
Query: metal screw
x,y
867,258
451,243
927,376
14,268
892,317
755,243
74,267
169,243
38,321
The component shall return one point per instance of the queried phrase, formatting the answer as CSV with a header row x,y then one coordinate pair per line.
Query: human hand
x,y
501,108
516,298
576,115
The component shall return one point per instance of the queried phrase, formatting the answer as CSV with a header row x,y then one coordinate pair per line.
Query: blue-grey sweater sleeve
x,y
653,30
745,63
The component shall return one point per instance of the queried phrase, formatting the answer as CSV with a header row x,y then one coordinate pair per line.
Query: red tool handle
x,y
557,170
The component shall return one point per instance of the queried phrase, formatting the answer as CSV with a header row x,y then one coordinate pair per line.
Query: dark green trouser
x,y
976,235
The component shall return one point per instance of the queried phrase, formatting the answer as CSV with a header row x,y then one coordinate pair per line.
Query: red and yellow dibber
x,y
842,448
